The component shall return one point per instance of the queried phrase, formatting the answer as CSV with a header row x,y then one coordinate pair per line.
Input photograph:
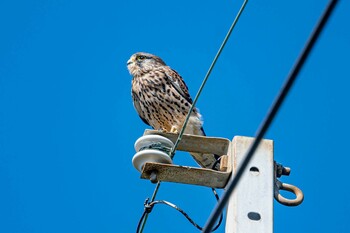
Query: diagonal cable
x,y
270,116
195,101
179,138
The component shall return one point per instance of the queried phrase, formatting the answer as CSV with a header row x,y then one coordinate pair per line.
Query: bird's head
x,y
141,63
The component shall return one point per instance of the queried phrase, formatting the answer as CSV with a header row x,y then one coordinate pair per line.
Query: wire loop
x,y
149,206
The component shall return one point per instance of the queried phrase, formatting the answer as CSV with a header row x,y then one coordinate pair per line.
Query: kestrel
x,y
162,100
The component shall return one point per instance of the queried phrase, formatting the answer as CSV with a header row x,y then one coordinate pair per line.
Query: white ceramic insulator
x,y
151,155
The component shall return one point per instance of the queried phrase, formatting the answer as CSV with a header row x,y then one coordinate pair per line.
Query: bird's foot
x,y
174,130
162,131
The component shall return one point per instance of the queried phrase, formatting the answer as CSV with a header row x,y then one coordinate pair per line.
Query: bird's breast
x,y
162,105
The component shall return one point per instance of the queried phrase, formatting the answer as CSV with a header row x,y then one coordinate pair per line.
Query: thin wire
x,y
271,114
142,220
179,138
195,100
149,206
145,214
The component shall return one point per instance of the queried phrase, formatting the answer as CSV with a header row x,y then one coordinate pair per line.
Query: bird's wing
x,y
178,83
137,106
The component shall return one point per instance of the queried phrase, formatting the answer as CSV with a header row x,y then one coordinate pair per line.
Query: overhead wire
x,y
149,206
270,116
145,213
179,138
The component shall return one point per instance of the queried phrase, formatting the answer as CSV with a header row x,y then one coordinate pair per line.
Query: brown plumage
x,y
162,100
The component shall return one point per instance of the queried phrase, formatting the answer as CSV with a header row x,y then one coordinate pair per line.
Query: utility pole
x,y
250,208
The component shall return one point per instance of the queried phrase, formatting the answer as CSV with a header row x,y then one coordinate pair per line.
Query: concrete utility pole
x,y
250,208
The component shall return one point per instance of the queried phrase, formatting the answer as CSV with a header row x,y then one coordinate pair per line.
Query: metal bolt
x,y
285,171
281,170
153,177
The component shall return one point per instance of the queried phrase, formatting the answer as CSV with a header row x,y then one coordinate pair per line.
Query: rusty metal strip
x,y
185,175
194,143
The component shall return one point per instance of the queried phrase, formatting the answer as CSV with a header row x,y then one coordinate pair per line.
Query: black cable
x,y
222,215
146,210
270,116
149,206
216,163
140,221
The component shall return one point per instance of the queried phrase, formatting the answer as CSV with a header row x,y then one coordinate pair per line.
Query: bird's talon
x,y
174,130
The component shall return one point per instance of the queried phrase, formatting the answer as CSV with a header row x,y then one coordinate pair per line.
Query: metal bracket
x,y
192,175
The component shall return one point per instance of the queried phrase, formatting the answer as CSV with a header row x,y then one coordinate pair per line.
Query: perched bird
x,y
162,100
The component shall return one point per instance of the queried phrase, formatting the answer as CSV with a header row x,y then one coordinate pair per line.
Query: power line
x,y
149,206
270,116
207,76
179,138
145,213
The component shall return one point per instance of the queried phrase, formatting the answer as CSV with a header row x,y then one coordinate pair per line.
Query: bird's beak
x,y
129,61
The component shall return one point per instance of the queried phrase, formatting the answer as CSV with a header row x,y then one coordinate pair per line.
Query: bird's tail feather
x,y
206,160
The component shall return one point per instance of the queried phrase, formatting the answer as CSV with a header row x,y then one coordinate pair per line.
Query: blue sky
x,y
67,124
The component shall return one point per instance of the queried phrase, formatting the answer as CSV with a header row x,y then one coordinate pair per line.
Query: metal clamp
x,y
279,171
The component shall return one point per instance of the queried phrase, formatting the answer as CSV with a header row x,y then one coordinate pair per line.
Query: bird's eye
x,y
141,57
